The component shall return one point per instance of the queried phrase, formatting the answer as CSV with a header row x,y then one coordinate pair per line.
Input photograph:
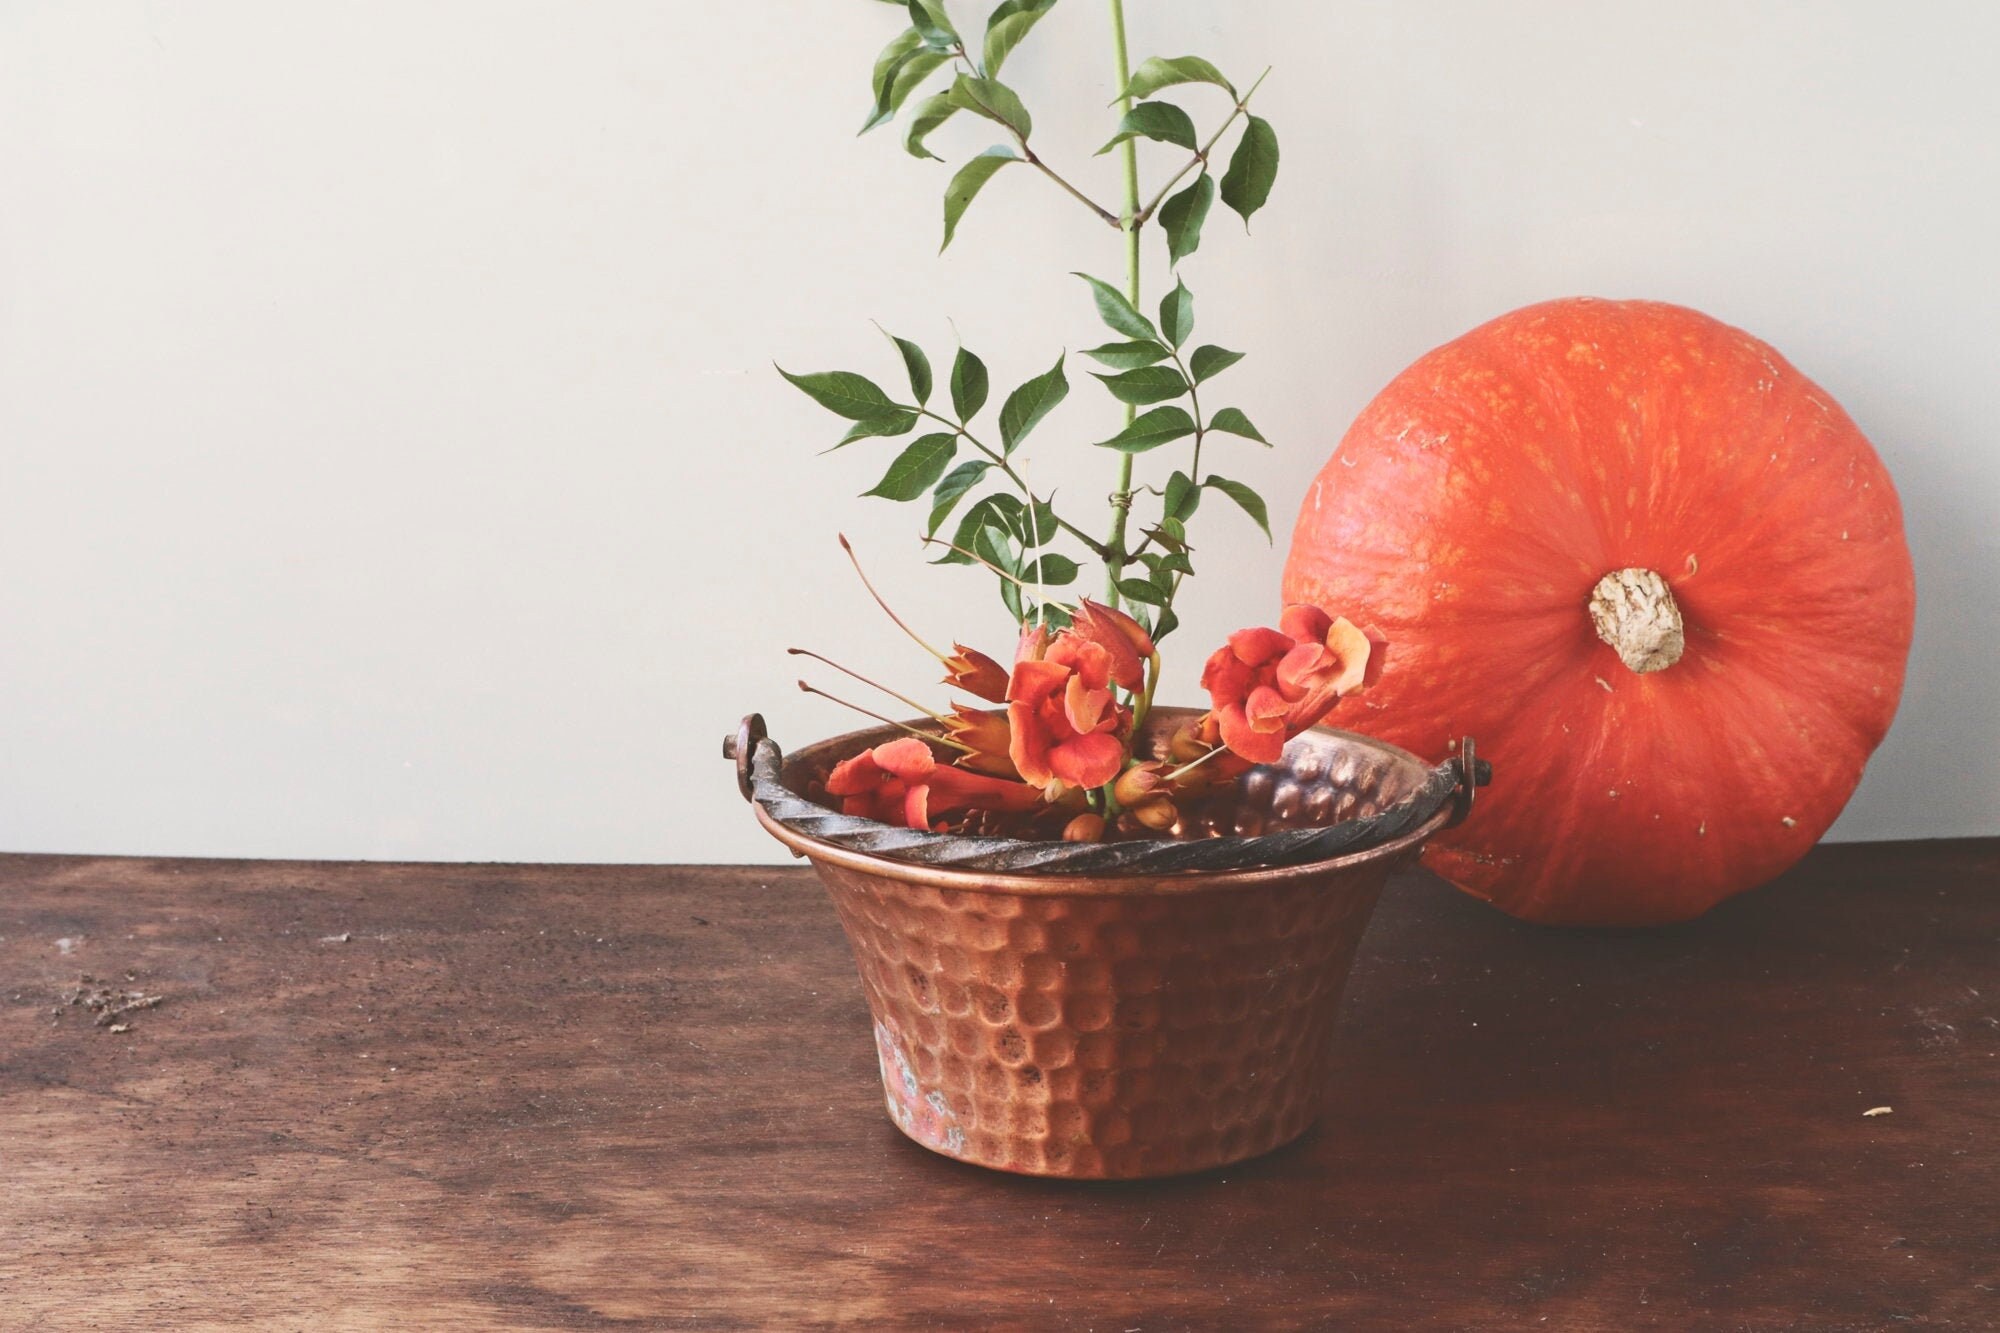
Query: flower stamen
x,y
849,671
918,732
856,562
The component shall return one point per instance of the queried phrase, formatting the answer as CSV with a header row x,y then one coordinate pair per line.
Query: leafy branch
x,y
1201,156
1010,530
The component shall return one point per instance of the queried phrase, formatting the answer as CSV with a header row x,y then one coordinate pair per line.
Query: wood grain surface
x,y
500,1097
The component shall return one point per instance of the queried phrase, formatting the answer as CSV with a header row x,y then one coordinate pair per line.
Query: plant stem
x,y
1145,701
1014,579
1121,499
1028,154
1200,429
999,460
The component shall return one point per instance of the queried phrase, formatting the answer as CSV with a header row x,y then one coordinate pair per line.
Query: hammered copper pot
x,y
1105,1027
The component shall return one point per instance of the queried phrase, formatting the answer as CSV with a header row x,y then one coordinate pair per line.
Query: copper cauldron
x,y
1120,1025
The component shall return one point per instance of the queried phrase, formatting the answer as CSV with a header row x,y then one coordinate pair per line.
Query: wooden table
x,y
484,1097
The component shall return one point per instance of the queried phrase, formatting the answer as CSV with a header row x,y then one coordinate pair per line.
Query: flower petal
x,y
1303,669
1303,623
1111,617
1090,660
1126,644
955,789
992,765
1084,707
1351,650
974,672
1225,675
916,807
908,758
1266,708
1035,680
1088,761
1259,645
1028,744
984,729
1307,712
853,777
1378,657
1259,747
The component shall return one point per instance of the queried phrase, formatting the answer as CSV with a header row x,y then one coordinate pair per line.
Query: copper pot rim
x,y
1136,884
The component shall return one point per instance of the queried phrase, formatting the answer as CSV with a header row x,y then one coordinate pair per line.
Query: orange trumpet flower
x,y
1268,685
901,782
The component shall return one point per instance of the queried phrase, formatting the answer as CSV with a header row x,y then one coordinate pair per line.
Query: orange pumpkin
x,y
1652,569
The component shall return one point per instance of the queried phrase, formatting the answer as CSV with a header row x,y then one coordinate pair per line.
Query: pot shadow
x,y
1476,1044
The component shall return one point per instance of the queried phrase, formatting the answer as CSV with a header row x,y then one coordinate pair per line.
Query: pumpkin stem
x,y
1636,614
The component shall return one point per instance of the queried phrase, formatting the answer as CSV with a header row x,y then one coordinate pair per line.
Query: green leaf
x,y
917,364
1052,571
890,60
917,468
1116,311
1005,28
988,510
1157,73
1252,168
1128,356
1149,384
1169,622
967,184
1183,215
931,23
1231,421
1142,590
1037,527
1162,425
853,396
952,489
968,385
1252,503
895,83
932,112
1177,313
901,423
1161,121
911,76
1010,597
1209,361
993,543
1183,496
994,100
1172,534
1029,404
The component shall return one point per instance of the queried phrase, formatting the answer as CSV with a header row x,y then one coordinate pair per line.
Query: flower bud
x,y
1186,746
1135,784
1086,827
1158,814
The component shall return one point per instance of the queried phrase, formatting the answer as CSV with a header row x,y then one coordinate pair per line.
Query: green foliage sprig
x,y
1001,523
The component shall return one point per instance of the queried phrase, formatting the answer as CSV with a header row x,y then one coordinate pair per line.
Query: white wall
x,y
391,463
